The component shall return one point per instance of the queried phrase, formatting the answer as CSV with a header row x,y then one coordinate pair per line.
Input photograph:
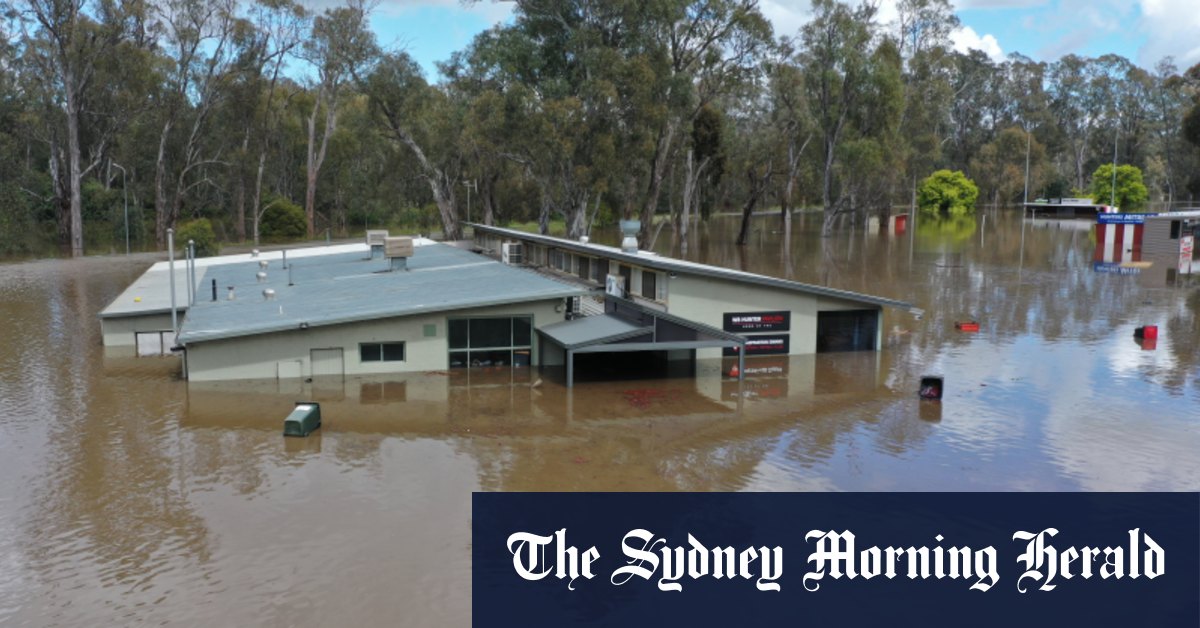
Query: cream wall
x,y
119,331
286,354
706,299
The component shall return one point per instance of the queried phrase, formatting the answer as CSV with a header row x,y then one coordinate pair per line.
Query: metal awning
x,y
593,330
628,327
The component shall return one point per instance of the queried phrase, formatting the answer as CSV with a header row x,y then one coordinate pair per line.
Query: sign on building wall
x,y
742,322
766,344
1186,244
614,285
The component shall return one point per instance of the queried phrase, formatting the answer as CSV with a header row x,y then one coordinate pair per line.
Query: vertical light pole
x,y
126,191
1116,138
171,271
470,185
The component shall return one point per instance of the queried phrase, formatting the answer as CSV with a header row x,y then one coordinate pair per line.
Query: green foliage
x,y
282,221
938,233
201,232
946,193
1131,191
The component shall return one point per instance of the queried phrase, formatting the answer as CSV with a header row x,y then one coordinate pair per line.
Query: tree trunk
x,y
657,171
827,189
240,194
161,223
256,212
75,173
316,156
488,196
577,221
544,214
757,186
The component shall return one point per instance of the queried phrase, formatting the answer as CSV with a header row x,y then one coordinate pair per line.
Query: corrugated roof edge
x,y
667,263
166,310
186,337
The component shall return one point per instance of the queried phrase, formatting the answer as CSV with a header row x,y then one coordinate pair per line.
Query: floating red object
x,y
1149,332
735,371
967,326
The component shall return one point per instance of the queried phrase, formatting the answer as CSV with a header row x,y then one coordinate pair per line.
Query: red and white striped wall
x,y
1119,243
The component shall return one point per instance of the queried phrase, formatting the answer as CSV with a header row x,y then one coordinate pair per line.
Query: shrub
x,y
283,220
199,231
946,193
1131,191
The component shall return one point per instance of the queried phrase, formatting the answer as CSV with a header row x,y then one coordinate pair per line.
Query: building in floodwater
x,y
518,300
1147,241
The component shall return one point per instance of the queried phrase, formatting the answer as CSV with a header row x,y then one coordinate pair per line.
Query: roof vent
x,y
629,231
261,276
583,239
397,250
375,240
230,297
253,252
262,263
268,294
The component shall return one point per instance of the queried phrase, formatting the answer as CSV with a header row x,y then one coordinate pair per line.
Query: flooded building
x,y
527,300
1135,242
773,316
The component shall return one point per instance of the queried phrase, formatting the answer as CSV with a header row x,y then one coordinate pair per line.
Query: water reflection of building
x,y
700,432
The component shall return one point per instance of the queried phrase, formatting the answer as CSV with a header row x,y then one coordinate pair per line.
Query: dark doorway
x,y
848,330
620,365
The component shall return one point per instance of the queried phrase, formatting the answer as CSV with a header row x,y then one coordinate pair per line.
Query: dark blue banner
x,y
845,559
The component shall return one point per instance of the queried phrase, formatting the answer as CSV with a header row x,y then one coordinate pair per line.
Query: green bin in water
x,y
303,420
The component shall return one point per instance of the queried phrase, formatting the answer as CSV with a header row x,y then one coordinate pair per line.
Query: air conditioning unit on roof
x,y
512,253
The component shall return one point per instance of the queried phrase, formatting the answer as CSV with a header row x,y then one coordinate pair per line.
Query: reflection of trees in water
x,y
939,233
110,497
1183,330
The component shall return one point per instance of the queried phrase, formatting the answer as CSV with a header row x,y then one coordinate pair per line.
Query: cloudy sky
x,y
1144,31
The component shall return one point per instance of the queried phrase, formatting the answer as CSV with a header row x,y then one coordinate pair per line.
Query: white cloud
x,y
1170,27
965,38
786,16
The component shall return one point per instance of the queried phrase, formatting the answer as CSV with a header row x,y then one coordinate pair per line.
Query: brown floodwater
x,y
127,496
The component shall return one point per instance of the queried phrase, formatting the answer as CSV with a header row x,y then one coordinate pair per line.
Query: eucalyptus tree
x,y
415,115
201,39
708,48
850,79
341,47
277,30
62,39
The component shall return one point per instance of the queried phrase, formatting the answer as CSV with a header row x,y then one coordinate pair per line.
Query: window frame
x,y
382,353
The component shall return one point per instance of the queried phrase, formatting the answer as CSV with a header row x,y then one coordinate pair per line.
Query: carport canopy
x,y
626,326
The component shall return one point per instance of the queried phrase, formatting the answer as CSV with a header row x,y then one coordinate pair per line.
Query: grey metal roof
x,y
151,293
591,330
659,262
336,289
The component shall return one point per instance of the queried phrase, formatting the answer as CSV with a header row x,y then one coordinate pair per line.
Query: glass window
x,y
585,269
649,284
1175,228
458,333
393,352
491,332
381,352
522,332
600,270
627,273
489,342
